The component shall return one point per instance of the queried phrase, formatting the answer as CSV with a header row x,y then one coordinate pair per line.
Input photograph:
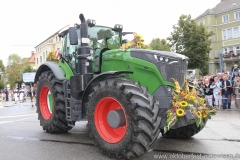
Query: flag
x,y
57,53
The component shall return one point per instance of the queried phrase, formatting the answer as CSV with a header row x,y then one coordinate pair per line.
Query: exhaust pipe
x,y
83,30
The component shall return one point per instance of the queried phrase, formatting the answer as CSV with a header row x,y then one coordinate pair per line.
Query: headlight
x,y
166,59
169,89
161,58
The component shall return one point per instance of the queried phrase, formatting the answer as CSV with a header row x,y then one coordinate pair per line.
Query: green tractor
x,y
123,94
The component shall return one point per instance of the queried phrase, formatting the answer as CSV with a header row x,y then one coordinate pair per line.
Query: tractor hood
x,y
170,64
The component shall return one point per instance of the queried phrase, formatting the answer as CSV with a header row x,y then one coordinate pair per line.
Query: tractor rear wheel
x,y
50,104
123,118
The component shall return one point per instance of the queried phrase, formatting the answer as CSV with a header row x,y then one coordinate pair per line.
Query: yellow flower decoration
x,y
194,92
192,98
202,100
138,44
199,114
177,86
205,115
183,104
180,112
186,86
140,36
185,100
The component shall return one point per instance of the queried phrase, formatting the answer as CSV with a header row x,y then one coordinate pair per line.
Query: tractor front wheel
x,y
50,104
123,118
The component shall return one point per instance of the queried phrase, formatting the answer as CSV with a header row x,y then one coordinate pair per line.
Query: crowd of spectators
x,y
221,88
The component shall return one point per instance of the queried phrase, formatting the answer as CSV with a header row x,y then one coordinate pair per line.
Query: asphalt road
x,y
22,138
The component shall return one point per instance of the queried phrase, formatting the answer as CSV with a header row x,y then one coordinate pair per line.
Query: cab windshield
x,y
100,37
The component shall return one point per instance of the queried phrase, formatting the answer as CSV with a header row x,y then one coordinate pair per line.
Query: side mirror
x,y
73,36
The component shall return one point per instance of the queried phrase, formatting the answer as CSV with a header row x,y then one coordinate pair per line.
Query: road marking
x,y
18,113
24,115
15,120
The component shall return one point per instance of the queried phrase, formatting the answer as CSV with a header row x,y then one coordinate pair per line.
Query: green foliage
x,y
192,40
28,68
159,44
2,68
1,84
17,66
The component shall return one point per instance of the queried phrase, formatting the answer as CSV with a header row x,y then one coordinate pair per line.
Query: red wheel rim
x,y
45,102
104,106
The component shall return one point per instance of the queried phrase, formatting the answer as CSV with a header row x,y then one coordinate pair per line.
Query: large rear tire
x,y
50,104
141,113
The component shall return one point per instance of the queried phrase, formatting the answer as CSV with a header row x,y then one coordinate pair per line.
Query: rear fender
x,y
46,66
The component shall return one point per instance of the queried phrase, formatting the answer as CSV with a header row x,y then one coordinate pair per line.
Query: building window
x,y
235,32
224,35
43,55
40,59
225,18
229,33
237,15
37,60
56,39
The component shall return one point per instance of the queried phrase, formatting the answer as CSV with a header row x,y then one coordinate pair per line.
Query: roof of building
x,y
53,35
32,58
223,6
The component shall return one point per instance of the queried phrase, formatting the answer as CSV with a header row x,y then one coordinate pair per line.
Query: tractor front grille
x,y
175,67
172,71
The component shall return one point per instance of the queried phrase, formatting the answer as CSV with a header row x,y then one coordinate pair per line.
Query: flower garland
x,y
187,101
137,42
52,57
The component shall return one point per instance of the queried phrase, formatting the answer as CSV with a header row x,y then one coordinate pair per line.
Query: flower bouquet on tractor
x,y
188,109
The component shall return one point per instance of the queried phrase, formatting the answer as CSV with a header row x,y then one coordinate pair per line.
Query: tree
x,y
2,68
1,84
159,44
28,68
16,66
192,40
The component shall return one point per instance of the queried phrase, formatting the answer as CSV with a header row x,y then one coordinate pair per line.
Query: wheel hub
x,y
111,120
116,118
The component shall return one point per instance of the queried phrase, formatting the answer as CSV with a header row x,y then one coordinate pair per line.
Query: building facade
x,y
224,21
51,44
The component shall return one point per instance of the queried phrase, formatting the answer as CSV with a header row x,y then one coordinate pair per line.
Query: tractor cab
x,y
101,39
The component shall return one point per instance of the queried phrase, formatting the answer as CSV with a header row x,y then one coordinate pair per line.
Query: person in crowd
x,y
226,92
6,93
208,92
200,83
16,94
21,94
227,72
219,75
234,77
216,86
235,68
236,91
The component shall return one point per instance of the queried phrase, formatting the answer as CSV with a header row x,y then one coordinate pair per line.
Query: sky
x,y
26,23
